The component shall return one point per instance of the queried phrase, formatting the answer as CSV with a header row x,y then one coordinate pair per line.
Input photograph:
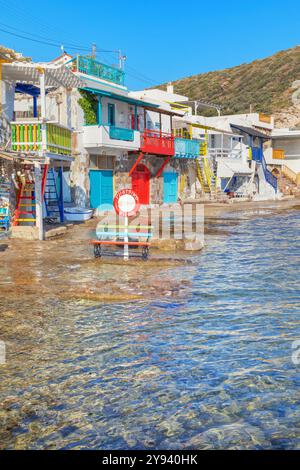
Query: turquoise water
x,y
211,369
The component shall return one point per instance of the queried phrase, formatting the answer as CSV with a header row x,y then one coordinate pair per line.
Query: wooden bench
x,y
113,235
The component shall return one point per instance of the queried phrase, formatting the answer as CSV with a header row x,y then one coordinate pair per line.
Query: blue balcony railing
x,y
186,148
120,133
94,68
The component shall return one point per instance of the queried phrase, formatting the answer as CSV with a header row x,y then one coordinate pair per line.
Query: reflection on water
x,y
208,368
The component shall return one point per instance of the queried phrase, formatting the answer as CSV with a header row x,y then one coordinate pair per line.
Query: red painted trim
x,y
44,179
157,142
163,166
140,158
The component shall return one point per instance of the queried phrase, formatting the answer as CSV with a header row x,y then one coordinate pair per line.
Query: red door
x,y
141,183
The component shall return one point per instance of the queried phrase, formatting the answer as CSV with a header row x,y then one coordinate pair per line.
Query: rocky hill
x,y
270,85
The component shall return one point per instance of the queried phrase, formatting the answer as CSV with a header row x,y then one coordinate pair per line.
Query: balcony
x,y
92,67
27,137
157,143
187,148
120,133
225,152
104,136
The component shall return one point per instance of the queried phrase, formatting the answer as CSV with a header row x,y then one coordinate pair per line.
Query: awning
x,y
124,98
23,72
251,131
228,167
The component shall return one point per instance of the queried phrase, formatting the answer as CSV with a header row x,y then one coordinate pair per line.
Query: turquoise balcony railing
x,y
186,148
94,68
120,133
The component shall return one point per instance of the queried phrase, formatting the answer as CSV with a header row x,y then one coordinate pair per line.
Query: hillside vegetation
x,y
265,84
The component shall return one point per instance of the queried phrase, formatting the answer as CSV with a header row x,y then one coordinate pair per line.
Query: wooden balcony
x,y
27,137
187,148
157,143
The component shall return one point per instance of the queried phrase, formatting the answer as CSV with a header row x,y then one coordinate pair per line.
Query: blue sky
x,y
163,40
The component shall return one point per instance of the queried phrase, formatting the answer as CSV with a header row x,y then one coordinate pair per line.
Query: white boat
x,y
77,214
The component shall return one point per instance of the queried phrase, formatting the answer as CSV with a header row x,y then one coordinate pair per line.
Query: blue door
x,y
170,187
101,184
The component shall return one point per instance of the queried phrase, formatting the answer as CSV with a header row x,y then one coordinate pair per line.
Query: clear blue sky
x,y
163,40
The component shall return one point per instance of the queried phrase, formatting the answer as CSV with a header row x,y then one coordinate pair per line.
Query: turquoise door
x,y
101,184
170,187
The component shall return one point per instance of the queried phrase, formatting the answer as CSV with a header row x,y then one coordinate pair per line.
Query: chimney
x,y
170,88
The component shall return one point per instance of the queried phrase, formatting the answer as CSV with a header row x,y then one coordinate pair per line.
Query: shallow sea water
x,y
211,369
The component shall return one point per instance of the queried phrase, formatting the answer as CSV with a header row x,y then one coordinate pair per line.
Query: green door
x,y
101,187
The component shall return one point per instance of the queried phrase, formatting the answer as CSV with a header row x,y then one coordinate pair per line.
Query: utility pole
x,y
122,59
94,51
206,104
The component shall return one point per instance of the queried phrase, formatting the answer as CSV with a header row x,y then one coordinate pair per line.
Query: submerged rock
x,y
238,436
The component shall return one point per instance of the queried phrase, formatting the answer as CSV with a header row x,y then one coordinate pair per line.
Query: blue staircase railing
x,y
270,178
53,201
258,156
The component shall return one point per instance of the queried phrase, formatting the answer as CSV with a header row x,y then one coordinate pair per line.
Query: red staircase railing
x,y
157,142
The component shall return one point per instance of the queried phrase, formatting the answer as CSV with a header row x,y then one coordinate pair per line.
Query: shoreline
x,y
72,273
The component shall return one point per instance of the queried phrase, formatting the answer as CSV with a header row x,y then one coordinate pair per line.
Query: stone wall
x,y
79,180
188,187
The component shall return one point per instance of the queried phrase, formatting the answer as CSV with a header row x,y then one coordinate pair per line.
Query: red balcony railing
x,y
157,142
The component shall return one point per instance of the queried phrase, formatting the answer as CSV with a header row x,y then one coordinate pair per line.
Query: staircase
x,y
207,176
256,154
201,176
269,177
53,205
289,181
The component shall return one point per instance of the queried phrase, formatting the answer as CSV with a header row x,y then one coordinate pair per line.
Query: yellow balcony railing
x,y
27,137
182,133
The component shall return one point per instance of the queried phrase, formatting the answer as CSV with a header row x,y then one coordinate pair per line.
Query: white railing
x,y
224,152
